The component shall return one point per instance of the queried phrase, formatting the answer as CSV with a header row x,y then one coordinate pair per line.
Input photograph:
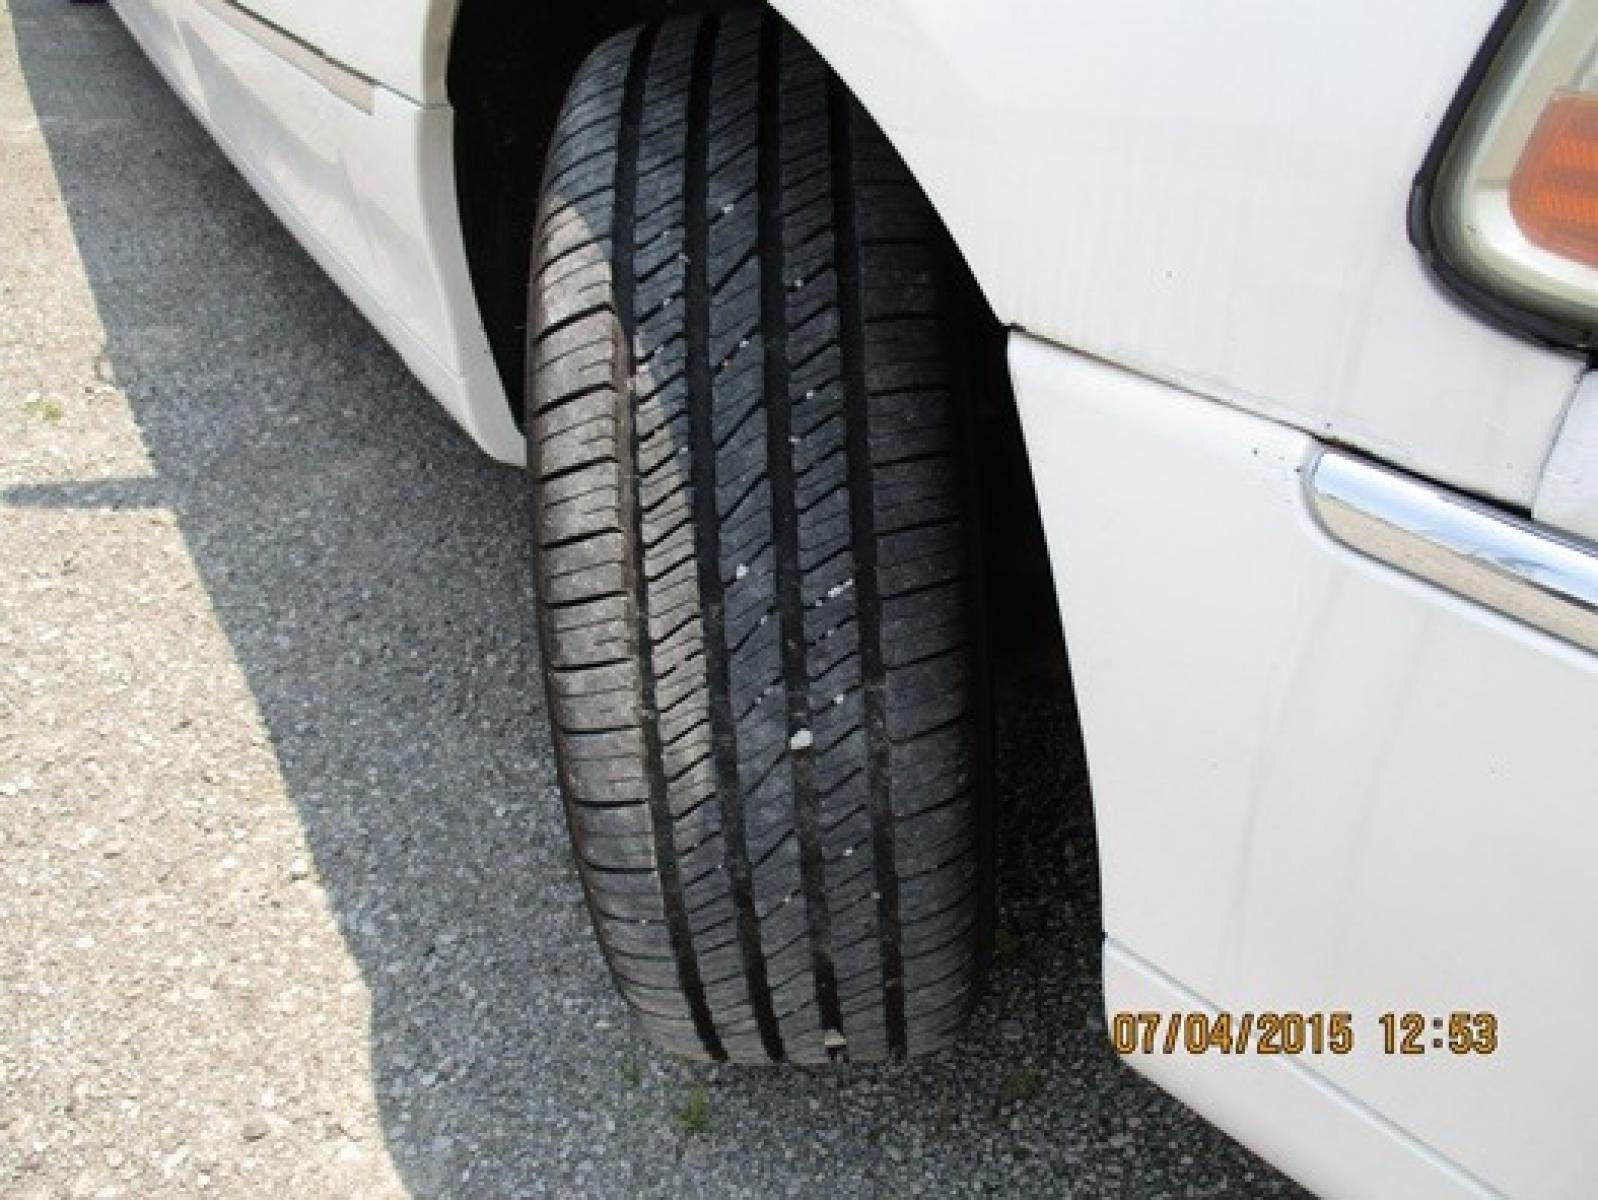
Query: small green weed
x,y
1020,1087
693,1116
48,411
1006,947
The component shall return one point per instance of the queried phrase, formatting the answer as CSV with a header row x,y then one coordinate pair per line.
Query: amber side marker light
x,y
1505,208
1553,192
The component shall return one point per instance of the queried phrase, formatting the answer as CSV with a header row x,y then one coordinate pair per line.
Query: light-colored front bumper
x,y
1322,783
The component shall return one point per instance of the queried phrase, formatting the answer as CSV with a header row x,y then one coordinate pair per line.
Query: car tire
x,y
751,471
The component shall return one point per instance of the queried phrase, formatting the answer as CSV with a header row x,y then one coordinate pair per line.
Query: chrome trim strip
x,y
1508,564
344,83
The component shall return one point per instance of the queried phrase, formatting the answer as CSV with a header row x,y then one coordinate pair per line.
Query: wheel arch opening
x,y
509,66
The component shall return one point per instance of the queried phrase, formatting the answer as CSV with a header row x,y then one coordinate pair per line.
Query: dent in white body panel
x,y
1214,194
402,44
370,195
1320,784
1567,497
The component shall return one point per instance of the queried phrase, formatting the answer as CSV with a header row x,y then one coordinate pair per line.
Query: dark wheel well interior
x,y
509,65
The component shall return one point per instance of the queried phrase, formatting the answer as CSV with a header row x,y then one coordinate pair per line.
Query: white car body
x,y
1320,782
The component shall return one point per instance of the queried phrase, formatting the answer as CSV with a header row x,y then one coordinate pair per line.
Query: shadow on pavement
x,y
370,569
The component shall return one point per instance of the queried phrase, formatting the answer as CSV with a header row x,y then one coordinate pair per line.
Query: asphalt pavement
x,y
286,902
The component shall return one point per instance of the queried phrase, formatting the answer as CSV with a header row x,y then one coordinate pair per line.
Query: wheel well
x,y
509,66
